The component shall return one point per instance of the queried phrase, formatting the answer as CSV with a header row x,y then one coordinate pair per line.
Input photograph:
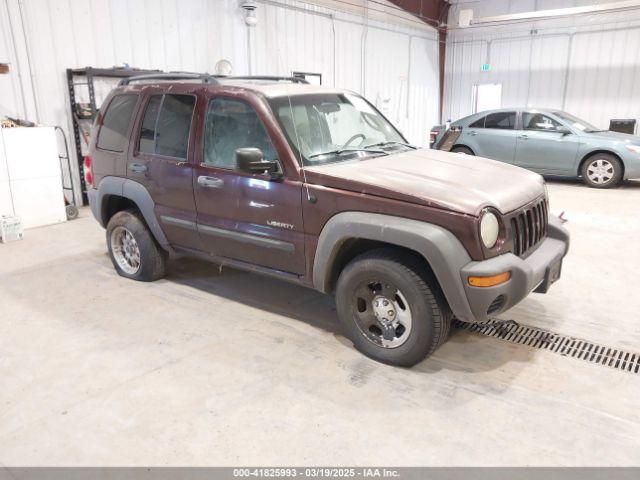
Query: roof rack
x,y
207,78
268,78
204,77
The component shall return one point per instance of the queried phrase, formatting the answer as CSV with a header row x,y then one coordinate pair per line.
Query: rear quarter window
x,y
115,125
478,123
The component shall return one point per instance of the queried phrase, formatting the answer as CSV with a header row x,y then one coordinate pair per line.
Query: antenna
x,y
295,131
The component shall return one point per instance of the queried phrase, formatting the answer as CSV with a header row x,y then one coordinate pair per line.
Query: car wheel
x,y
463,150
389,309
132,248
601,171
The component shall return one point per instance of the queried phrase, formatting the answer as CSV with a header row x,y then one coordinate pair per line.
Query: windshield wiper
x,y
345,150
595,131
392,142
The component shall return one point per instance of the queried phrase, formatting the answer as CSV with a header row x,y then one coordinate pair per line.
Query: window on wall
x,y
166,125
486,96
233,124
115,125
500,120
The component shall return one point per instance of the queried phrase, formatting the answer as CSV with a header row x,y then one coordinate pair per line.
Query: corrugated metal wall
x,y
400,63
588,67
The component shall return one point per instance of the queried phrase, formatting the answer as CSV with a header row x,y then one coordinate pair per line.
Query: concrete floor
x,y
210,368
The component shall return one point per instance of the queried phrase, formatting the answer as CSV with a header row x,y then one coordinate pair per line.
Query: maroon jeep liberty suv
x,y
315,186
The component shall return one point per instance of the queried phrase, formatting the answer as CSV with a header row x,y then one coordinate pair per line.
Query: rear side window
x,y
501,120
166,125
148,131
115,125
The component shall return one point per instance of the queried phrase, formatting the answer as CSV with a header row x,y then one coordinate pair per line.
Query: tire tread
x,y
426,284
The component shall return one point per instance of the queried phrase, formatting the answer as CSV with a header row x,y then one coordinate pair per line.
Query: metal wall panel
x,y
462,70
591,71
385,60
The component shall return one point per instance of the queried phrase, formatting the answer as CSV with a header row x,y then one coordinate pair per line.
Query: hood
x,y
616,136
453,181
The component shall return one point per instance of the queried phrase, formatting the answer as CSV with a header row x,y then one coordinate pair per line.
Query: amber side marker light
x,y
491,281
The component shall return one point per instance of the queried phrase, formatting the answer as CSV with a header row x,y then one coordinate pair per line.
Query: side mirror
x,y
250,160
563,130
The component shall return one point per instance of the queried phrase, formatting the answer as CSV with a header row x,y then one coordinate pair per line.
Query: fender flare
x,y
439,247
134,191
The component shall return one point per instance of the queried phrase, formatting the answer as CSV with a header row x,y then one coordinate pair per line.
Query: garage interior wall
x,y
590,71
391,59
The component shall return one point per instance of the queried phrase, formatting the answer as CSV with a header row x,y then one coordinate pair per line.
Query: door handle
x,y
473,134
524,137
210,182
137,167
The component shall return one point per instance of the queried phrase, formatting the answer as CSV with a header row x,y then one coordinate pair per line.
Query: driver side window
x,y
540,122
229,125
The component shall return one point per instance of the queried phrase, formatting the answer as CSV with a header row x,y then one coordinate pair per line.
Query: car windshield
x,y
326,128
577,123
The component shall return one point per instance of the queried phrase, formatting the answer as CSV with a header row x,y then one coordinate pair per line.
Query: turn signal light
x,y
491,281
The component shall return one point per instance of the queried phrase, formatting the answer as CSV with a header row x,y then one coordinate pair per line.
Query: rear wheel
x,y
602,170
132,248
388,309
461,149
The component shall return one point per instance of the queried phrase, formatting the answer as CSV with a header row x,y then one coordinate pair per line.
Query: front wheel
x,y
602,171
388,310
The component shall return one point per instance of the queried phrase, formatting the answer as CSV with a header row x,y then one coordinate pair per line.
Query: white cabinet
x,y
30,182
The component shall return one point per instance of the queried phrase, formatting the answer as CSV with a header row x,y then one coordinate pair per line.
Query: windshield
x,y
576,123
324,128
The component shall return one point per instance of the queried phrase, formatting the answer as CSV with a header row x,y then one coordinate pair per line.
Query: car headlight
x,y
633,148
489,229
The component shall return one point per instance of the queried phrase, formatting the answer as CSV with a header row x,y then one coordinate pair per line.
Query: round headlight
x,y
489,229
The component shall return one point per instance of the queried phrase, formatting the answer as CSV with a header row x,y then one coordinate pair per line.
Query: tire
x,y
462,149
72,212
363,286
601,170
132,248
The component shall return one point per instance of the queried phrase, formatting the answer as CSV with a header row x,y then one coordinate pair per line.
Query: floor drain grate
x,y
553,342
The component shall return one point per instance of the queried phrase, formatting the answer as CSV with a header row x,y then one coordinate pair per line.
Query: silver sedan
x,y
550,142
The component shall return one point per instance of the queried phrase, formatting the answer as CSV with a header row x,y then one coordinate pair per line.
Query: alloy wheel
x,y
125,250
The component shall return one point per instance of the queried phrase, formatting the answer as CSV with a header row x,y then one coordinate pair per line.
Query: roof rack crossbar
x,y
273,78
204,77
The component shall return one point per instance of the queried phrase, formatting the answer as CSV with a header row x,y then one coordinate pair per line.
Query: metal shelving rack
x,y
88,75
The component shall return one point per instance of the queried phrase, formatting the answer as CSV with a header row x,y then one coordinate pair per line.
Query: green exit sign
x,y
486,67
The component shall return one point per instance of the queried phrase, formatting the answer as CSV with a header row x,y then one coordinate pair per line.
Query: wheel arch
x,y
352,247
115,194
590,154
349,234
464,146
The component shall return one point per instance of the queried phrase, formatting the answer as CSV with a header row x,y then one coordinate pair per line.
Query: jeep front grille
x,y
529,228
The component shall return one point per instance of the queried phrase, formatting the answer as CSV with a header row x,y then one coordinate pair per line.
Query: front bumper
x,y
536,272
631,167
